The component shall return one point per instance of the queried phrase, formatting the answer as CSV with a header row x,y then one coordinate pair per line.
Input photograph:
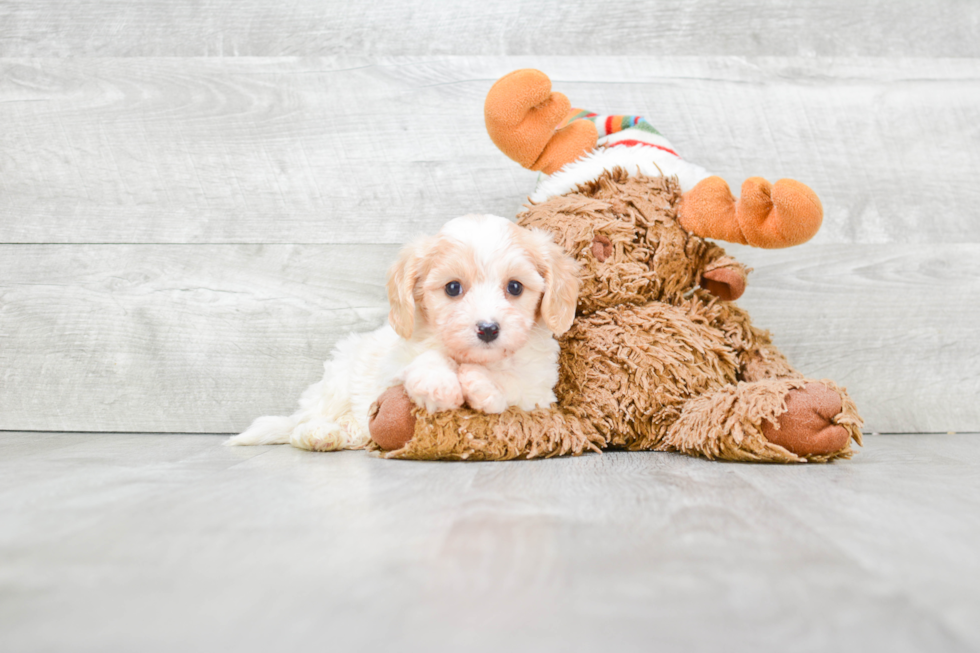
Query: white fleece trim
x,y
649,161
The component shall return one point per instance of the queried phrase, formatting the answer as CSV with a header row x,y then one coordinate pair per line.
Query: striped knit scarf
x,y
628,131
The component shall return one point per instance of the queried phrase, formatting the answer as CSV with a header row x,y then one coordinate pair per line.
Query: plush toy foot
x,y
767,215
522,113
815,420
807,427
391,421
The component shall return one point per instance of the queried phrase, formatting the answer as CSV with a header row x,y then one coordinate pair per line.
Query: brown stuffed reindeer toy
x,y
658,358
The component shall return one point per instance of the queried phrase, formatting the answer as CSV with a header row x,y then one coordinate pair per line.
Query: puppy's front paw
x,y
435,390
479,390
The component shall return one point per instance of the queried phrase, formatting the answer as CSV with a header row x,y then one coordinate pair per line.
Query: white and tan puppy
x,y
474,312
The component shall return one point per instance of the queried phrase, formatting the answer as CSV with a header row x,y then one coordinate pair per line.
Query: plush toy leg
x,y
465,434
522,114
774,420
767,215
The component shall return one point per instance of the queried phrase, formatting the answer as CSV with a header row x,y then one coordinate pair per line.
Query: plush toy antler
x,y
538,128
767,215
522,115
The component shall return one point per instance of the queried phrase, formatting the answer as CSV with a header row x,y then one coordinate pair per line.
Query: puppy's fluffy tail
x,y
265,430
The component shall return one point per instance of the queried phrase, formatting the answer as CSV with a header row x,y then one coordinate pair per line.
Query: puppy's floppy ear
x,y
560,272
403,276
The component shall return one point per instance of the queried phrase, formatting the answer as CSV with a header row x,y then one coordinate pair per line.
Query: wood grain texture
x,y
198,197
38,28
174,543
205,338
374,150
189,338
897,325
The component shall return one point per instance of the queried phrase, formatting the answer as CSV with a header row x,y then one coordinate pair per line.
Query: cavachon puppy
x,y
474,315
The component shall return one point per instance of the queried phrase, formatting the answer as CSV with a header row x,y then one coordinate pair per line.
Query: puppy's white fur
x,y
431,343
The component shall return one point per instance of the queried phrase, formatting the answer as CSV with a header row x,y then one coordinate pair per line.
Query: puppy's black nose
x,y
487,331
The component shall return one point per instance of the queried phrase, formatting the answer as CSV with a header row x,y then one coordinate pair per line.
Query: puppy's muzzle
x,y
487,331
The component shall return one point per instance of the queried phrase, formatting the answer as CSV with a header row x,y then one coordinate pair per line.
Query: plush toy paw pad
x,y
807,427
391,422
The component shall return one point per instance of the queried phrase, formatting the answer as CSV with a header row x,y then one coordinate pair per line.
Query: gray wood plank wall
x,y
197,199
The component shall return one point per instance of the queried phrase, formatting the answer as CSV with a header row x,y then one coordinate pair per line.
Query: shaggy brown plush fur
x,y
653,362
465,434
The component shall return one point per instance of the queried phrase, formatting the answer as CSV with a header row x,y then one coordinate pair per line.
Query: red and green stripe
x,y
607,125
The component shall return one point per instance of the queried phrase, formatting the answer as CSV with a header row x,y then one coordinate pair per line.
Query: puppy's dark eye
x,y
515,288
453,288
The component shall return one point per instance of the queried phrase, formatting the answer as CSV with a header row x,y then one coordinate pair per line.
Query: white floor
x,y
115,542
